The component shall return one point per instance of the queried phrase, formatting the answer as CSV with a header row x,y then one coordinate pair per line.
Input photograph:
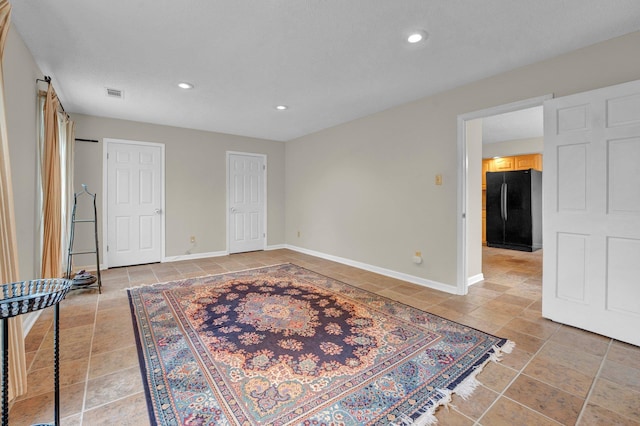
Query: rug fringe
x,y
497,353
403,420
427,419
464,389
508,347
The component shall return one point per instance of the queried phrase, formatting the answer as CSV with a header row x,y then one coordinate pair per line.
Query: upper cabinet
x,y
531,161
486,167
504,164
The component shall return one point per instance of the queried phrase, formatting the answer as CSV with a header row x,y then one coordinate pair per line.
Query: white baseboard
x,y
475,279
212,254
360,265
194,256
378,270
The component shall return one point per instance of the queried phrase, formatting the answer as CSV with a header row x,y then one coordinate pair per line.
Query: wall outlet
x,y
417,257
438,179
193,239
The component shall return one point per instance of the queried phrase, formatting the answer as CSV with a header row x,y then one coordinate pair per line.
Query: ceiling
x,y
329,61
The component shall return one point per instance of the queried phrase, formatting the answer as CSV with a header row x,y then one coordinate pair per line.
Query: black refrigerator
x,y
514,210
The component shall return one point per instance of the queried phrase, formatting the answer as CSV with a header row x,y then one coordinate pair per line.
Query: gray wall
x,y
365,190
20,73
514,147
195,178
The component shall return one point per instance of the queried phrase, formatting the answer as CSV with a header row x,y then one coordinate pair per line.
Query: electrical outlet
x,y
193,239
438,179
418,254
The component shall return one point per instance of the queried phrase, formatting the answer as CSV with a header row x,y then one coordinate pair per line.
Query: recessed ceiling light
x,y
417,36
281,107
185,85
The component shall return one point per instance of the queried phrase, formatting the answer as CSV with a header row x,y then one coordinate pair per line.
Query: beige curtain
x,y
8,243
67,149
55,182
51,190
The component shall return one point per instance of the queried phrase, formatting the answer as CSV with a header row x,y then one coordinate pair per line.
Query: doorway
x,y
134,194
246,202
469,208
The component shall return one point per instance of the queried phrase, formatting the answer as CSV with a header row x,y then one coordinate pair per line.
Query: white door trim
x,y
463,161
105,185
264,206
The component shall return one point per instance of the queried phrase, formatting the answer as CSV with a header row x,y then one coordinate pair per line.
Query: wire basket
x,y
27,296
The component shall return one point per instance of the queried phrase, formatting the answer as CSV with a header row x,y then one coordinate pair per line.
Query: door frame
x,y
264,189
462,282
105,200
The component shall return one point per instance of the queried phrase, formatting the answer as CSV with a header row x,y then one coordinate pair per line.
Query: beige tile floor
x,y
556,374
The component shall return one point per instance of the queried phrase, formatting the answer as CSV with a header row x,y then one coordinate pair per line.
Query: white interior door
x,y
591,276
246,202
134,203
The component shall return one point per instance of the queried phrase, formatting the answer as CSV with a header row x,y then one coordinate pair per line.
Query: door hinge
x,y
264,167
107,155
107,248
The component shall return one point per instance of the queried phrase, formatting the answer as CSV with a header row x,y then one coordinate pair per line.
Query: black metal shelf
x,y
98,281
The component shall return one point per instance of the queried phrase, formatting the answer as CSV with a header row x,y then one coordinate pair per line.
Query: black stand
x,y
29,296
78,284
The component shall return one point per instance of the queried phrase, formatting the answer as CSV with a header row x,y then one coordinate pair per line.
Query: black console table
x,y
20,298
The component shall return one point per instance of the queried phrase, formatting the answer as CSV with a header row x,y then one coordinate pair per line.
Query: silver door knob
x,y
158,211
233,210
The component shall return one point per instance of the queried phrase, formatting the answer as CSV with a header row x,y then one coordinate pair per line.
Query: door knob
x,y
233,210
158,211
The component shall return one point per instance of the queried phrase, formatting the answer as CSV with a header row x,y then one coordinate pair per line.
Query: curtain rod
x,y
47,79
86,140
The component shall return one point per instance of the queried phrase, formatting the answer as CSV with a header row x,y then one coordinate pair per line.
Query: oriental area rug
x,y
282,345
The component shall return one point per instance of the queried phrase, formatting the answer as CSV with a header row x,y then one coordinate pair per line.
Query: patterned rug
x,y
283,345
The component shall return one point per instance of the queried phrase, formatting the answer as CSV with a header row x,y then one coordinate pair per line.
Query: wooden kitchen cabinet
x,y
487,163
484,227
516,162
531,161
504,164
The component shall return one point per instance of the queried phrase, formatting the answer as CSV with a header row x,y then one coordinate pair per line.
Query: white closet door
x,y
246,202
134,204
591,277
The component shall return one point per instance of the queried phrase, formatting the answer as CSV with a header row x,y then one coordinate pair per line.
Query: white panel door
x,y
134,203
246,202
591,277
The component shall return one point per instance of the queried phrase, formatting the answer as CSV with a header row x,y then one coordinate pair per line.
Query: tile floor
x,y
556,375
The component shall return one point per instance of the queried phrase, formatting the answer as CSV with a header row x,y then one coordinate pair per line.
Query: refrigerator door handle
x,y
504,202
